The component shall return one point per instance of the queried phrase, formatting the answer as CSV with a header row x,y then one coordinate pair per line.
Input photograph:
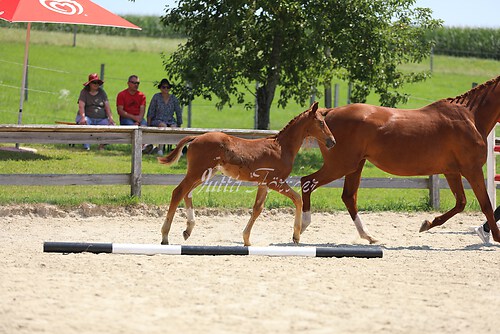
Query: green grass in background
x,y
58,70
55,78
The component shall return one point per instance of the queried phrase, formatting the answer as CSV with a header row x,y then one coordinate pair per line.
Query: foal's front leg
x,y
286,190
257,209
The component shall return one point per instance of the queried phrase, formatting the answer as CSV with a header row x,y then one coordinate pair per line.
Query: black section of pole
x,y
369,252
77,247
214,250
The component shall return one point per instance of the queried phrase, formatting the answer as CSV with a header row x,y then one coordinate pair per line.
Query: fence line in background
x,y
137,136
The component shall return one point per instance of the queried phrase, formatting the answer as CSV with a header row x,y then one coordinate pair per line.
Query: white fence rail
x,y
137,136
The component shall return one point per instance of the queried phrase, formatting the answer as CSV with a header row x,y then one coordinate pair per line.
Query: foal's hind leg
x,y
177,194
350,196
188,200
257,209
457,188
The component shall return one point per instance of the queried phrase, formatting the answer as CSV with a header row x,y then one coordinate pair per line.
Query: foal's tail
x,y
174,156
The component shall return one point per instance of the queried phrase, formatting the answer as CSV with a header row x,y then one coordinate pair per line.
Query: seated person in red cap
x,y
131,103
93,105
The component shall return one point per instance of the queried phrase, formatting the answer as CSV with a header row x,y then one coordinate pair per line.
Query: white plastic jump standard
x,y
151,249
492,178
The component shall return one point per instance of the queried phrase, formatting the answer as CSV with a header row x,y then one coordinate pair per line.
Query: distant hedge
x,y
460,42
151,27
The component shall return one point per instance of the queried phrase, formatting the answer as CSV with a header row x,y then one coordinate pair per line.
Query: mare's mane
x,y
476,95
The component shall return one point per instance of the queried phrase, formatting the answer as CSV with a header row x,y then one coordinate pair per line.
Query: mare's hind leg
x,y
457,188
350,197
177,194
476,181
257,209
285,189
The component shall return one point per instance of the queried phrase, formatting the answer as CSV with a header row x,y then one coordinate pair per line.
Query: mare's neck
x,y
487,112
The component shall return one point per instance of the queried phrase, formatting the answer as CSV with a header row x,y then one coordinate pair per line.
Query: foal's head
x,y
317,127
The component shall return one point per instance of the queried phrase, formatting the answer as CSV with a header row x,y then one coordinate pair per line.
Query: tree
x,y
296,45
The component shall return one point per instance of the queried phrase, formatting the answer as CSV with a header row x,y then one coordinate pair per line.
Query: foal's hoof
x,y
426,225
186,235
164,242
295,240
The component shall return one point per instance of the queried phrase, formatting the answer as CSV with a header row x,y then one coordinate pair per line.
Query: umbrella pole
x,y
25,69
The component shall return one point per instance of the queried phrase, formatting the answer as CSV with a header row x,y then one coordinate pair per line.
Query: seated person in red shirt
x,y
131,103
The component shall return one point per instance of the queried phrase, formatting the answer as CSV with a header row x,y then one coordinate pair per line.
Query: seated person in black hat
x,y
164,110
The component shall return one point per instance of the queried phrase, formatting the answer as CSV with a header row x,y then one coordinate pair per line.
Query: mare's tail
x,y
174,156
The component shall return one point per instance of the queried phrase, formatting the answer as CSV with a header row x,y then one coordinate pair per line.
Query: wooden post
x,y
256,110
135,175
434,198
349,90
102,73
189,106
328,95
432,59
336,96
312,98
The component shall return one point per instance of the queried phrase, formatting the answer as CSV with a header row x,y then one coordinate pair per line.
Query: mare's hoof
x,y
186,235
496,237
373,241
295,240
304,226
426,225
164,242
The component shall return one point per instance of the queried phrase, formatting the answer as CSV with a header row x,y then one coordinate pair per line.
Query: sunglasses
x,y
163,87
135,82
95,82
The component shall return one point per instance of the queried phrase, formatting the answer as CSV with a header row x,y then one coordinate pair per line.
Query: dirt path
x,y
441,281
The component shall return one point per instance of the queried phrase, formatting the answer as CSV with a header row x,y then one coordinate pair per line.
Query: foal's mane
x,y
475,96
290,123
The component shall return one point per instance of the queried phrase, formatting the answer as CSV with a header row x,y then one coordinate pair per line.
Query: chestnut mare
x,y
446,137
266,161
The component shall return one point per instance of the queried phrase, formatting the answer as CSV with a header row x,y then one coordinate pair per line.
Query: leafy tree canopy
x,y
296,45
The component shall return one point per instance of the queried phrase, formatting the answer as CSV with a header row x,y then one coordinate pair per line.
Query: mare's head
x,y
317,126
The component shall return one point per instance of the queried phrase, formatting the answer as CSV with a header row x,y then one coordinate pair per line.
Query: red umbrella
x,y
56,11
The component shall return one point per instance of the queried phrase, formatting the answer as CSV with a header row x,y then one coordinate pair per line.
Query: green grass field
x,y
55,78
